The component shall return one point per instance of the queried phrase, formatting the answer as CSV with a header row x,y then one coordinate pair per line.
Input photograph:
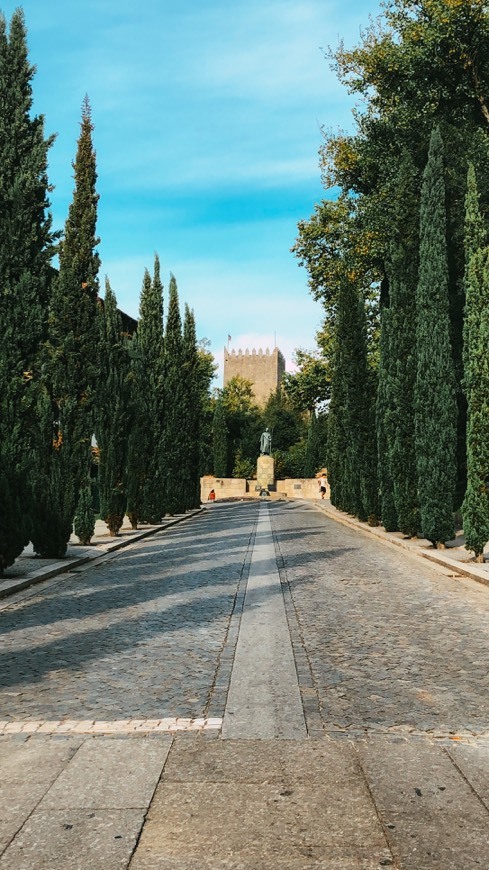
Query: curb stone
x,y
67,565
439,557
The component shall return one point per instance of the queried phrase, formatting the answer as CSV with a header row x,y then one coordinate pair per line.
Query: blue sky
x,y
207,121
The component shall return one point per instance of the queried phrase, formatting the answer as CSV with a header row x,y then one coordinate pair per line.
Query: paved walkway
x,y
259,687
264,699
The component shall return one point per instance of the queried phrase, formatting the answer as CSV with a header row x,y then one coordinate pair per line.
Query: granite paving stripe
x,y
264,699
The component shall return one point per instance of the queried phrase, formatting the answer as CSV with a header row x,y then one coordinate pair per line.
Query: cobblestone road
x,y
392,642
390,659
138,636
381,640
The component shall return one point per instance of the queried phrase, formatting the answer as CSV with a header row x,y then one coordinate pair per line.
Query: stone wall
x,y
264,369
228,487
300,488
224,487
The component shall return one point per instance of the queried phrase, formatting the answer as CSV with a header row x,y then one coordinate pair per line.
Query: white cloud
x,y
257,305
271,53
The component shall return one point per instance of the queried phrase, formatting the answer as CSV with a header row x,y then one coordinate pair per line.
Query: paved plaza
x,y
257,687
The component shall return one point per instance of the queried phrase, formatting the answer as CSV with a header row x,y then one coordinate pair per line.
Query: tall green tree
x,y
175,438
422,64
72,362
112,419
316,448
388,510
207,368
146,469
244,421
152,346
220,440
192,412
26,248
84,521
399,421
309,386
286,423
475,508
435,400
139,456
351,433
475,238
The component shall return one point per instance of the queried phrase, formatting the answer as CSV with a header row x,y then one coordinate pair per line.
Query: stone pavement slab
x,y
414,777
110,772
75,840
432,818
28,769
252,803
473,763
248,822
264,698
69,802
429,843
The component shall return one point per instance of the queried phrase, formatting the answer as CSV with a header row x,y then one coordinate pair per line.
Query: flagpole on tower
x,y
229,339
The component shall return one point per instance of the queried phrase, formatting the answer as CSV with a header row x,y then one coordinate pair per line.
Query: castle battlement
x,y
264,368
246,352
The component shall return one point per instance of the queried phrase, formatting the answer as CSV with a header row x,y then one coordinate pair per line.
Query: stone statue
x,y
266,443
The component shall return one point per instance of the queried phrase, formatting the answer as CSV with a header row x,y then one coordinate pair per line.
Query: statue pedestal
x,y
265,476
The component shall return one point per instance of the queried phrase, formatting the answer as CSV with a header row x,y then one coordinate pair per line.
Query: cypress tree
x,y
192,412
72,364
315,447
351,433
402,268
84,521
145,471
370,474
175,439
112,415
387,504
435,400
475,507
138,452
475,238
155,358
206,372
220,441
337,443
26,247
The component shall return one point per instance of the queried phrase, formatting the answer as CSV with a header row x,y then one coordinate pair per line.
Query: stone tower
x,y
263,369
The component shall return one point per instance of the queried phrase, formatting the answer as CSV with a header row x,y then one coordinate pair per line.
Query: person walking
x,y
322,483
